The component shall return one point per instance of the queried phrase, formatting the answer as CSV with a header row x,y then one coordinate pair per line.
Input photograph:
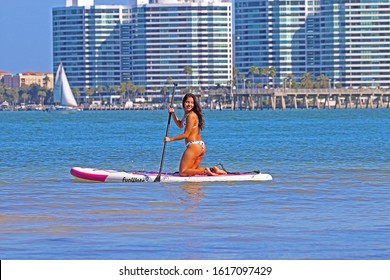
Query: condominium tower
x,y
347,41
91,42
148,43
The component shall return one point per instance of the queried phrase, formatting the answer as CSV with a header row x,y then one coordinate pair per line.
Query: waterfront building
x,y
2,74
169,36
70,3
28,78
148,43
348,41
87,40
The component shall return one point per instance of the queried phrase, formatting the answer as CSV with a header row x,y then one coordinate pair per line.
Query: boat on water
x,y
63,96
122,176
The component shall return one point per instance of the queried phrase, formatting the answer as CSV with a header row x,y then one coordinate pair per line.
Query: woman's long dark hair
x,y
197,109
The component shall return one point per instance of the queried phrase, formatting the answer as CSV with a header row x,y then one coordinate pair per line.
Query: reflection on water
x,y
194,191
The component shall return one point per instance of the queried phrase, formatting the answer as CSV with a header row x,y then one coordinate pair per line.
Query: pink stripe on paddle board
x,y
88,176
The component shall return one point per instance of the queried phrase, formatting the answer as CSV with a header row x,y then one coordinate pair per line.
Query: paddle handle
x,y
158,178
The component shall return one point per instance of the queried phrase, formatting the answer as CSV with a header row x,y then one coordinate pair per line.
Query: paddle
x,y
158,178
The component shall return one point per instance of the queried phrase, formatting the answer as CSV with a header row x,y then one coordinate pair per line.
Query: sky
x,y
26,33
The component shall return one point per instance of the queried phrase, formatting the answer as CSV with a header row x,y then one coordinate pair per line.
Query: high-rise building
x,y
70,3
187,41
88,40
348,41
148,43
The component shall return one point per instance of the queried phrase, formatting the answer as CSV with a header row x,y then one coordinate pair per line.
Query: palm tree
x,y
264,72
253,71
289,79
98,92
25,97
49,94
141,90
306,80
121,91
163,91
46,81
169,81
33,90
13,95
107,89
188,72
24,89
133,89
2,92
76,92
89,91
272,73
235,75
242,79
324,81
42,95
127,88
116,89
248,84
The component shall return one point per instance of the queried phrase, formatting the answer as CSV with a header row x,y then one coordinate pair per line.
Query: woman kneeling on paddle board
x,y
195,148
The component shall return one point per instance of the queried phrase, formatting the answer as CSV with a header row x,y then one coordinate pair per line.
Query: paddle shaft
x,y
158,178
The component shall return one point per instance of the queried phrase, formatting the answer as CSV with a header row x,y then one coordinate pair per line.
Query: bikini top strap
x,y
184,120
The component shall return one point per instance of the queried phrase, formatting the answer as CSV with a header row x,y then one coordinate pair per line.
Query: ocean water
x,y
330,197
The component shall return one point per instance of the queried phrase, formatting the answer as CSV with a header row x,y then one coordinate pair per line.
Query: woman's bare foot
x,y
218,171
208,172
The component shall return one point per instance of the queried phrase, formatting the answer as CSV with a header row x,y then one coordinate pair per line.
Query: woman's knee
x,y
184,172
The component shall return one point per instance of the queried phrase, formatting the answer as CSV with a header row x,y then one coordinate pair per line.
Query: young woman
x,y
195,148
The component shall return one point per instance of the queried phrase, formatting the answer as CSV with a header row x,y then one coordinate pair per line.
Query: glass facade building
x,y
147,43
89,41
348,41
168,35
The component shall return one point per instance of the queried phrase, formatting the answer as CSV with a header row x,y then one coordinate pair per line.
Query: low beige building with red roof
x,y
28,78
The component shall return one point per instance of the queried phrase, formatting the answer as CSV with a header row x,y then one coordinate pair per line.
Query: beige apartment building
x,y
28,78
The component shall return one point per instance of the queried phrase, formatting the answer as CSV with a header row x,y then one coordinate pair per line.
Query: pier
x,y
273,99
259,99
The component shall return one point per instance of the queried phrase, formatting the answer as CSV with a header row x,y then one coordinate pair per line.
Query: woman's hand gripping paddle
x,y
158,178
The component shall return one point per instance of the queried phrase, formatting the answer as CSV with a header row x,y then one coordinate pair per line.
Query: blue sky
x,y
25,33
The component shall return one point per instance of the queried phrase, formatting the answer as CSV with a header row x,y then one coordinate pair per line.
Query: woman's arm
x,y
191,122
175,118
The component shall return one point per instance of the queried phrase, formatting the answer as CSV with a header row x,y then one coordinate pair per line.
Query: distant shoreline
x,y
217,108
252,99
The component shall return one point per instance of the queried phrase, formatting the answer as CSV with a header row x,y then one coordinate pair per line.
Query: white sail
x,y
62,92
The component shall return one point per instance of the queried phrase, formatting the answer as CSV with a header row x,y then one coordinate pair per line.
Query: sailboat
x,y
63,97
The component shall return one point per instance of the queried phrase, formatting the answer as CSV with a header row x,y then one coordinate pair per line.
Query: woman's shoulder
x,y
192,115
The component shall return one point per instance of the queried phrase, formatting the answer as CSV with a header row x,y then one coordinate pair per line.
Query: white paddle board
x,y
120,176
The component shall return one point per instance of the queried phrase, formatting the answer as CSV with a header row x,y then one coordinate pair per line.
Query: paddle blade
x,y
158,178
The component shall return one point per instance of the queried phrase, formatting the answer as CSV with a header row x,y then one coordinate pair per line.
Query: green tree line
x,y
267,78
260,77
25,94
35,94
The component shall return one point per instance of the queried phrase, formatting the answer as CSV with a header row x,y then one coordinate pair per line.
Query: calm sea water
x,y
330,197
